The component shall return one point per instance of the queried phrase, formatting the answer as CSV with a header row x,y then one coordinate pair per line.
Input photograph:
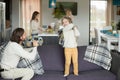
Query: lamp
x,y
52,3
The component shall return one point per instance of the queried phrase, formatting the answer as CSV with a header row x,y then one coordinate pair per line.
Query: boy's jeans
x,y
71,53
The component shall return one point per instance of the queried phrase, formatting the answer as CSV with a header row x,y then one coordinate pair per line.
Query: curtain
x,y
109,12
28,7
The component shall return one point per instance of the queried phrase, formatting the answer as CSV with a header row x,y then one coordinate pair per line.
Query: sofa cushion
x,y
118,74
52,57
115,64
50,75
99,55
93,75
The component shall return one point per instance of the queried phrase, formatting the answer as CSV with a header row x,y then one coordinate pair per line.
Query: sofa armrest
x,y
115,63
118,74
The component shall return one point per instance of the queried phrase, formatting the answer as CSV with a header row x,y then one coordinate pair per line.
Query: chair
x,y
97,36
107,28
99,39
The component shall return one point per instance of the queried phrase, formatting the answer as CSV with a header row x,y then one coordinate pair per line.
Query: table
x,y
109,39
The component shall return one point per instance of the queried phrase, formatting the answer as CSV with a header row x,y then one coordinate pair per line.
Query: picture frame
x,y
67,5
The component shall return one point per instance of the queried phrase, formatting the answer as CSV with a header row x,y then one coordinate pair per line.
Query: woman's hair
x,y
17,33
68,18
68,11
35,13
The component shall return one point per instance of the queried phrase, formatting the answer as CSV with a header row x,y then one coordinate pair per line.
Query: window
x,y
98,17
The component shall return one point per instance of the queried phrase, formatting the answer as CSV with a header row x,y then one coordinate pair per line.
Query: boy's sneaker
x,y
76,74
65,75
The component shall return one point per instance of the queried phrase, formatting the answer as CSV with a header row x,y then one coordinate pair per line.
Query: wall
x,y
116,17
81,20
15,14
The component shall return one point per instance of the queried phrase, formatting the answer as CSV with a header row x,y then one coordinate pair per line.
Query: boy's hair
x,y
17,33
68,18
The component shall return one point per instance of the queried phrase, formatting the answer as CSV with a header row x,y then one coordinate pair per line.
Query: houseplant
x,y
118,25
58,13
113,26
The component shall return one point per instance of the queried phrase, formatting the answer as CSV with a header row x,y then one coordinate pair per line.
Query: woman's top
x,y
35,27
12,54
70,33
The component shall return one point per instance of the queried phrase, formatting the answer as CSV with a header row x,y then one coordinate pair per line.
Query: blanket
x,y
2,48
99,55
35,64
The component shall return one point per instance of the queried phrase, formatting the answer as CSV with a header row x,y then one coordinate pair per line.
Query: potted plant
x,y
118,25
114,26
58,13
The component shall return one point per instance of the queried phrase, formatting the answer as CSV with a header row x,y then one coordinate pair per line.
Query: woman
x,y
12,54
68,13
70,34
35,24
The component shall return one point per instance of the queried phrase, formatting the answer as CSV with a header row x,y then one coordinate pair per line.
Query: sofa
x,y
52,57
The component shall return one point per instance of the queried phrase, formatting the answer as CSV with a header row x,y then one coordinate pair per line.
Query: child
x,y
70,34
68,13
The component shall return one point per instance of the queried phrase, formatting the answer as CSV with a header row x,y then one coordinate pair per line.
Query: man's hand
x,y
35,43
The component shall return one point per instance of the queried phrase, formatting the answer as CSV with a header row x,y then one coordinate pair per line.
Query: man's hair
x,y
17,33
68,18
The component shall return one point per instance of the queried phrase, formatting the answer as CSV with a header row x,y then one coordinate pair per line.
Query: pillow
x,y
115,63
35,64
2,48
99,55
